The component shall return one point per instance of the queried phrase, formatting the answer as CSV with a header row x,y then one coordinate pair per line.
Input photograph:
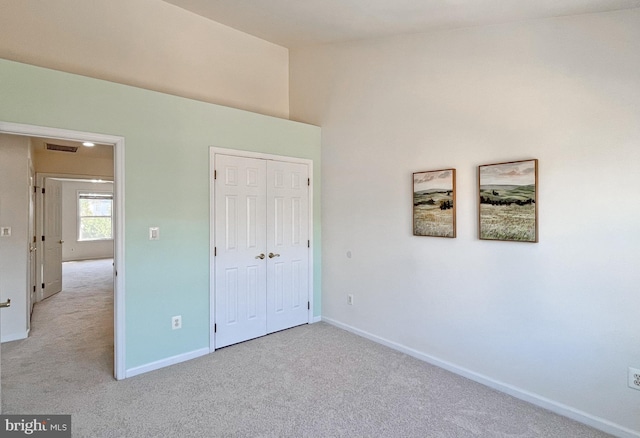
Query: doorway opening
x,y
55,171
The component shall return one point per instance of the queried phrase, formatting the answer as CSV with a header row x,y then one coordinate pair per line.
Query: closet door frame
x,y
212,237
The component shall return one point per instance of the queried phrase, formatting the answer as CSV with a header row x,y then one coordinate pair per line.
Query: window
x,y
95,216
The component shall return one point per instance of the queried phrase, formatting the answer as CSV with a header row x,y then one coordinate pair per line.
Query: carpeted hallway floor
x,y
309,381
70,346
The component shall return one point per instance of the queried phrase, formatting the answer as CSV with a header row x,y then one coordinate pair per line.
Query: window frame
x,y
79,217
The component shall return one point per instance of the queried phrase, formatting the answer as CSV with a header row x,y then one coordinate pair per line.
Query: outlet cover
x,y
634,378
176,322
5,232
350,299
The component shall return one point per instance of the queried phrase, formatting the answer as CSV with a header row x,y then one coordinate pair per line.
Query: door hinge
x,y
42,285
308,181
215,251
308,244
34,287
308,305
215,328
43,238
35,189
43,190
34,239
215,174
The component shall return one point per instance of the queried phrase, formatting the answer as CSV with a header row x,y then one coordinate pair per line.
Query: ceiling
x,y
298,23
97,151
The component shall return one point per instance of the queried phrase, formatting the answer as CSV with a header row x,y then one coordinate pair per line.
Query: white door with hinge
x,y
52,269
240,260
32,243
287,237
261,240
2,306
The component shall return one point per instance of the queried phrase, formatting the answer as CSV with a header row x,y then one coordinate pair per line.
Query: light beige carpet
x,y
309,381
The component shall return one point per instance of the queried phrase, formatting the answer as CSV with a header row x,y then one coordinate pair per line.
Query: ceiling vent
x,y
57,147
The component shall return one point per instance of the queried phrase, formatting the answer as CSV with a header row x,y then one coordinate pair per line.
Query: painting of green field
x,y
434,203
508,201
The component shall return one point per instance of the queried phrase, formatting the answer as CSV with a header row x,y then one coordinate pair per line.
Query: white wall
x,y
72,249
149,44
557,320
14,250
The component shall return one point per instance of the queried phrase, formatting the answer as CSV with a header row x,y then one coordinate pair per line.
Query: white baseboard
x,y
316,319
88,258
15,336
535,399
166,362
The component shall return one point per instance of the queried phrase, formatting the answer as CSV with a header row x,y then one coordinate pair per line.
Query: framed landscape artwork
x,y
434,203
508,208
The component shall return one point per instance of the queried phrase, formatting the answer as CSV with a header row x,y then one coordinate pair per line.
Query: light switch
x,y
5,231
154,233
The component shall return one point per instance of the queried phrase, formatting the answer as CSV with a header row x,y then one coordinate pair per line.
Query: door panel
x,y
53,237
287,235
32,243
240,275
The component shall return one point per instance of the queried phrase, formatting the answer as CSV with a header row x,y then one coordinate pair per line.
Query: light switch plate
x,y
154,233
5,231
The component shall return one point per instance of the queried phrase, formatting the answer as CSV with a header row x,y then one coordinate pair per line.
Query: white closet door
x,y
240,269
287,237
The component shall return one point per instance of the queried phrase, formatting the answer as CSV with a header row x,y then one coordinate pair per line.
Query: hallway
x,y
71,337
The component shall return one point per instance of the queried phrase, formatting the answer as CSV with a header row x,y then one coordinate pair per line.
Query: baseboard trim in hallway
x,y
535,399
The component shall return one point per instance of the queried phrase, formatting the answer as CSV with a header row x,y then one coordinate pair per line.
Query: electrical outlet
x,y
350,299
176,322
634,378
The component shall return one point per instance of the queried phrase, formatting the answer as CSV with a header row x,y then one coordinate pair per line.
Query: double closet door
x,y
261,243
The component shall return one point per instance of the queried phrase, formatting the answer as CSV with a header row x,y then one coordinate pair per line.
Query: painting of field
x,y
508,201
434,212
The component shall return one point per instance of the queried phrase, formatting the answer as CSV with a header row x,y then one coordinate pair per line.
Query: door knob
x,y
261,256
61,242
5,304
272,255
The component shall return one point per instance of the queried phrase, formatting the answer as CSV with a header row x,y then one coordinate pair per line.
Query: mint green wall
x,y
167,140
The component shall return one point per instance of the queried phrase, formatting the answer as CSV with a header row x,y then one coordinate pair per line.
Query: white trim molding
x,y
15,336
118,143
152,366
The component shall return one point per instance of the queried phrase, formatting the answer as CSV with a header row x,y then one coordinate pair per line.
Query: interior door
x,y
240,268
52,244
0,351
3,305
0,361
287,245
32,242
